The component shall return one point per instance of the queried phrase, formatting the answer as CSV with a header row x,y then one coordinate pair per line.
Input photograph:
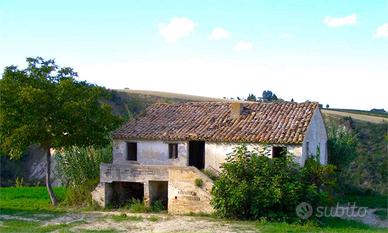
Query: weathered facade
x,y
159,155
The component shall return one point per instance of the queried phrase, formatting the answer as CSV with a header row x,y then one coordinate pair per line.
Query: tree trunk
x,y
48,174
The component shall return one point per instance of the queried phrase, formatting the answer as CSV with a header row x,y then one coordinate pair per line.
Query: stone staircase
x,y
185,195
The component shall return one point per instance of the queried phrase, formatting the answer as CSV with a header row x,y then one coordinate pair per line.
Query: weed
x,y
198,182
153,218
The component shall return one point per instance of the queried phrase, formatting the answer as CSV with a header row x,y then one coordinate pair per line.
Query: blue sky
x,y
333,52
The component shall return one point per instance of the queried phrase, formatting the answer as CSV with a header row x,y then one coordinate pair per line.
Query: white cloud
x,y
219,34
243,45
340,21
382,31
176,29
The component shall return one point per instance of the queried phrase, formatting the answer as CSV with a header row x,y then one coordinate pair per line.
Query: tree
x,y
45,105
269,96
251,97
327,106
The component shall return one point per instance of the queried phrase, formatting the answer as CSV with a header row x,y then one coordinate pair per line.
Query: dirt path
x,y
370,219
139,222
160,223
163,223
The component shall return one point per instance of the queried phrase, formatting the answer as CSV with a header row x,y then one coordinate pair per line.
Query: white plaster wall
x,y
150,153
216,153
316,137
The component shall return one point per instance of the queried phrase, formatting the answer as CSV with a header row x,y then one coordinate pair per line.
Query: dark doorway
x,y
159,193
123,192
279,151
197,154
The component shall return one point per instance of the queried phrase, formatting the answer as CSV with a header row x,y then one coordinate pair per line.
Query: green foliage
x,y
371,201
153,218
211,174
124,217
251,97
382,214
19,182
77,166
269,96
360,152
157,206
198,182
252,186
45,104
137,206
326,225
27,199
342,145
10,169
79,170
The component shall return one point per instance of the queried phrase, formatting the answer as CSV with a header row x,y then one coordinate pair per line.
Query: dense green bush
x,y
253,186
342,145
79,170
359,151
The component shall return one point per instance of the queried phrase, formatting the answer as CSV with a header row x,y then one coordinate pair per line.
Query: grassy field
x,y
356,115
28,199
171,95
362,112
28,209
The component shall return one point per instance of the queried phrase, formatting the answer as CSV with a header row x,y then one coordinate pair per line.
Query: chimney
x,y
235,109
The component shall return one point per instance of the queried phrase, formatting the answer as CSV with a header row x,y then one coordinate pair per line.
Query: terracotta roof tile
x,y
211,121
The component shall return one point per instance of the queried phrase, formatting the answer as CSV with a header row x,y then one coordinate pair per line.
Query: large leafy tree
x,y
269,96
44,104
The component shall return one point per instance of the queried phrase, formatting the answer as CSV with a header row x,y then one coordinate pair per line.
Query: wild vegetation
x,y
44,104
253,186
79,171
360,152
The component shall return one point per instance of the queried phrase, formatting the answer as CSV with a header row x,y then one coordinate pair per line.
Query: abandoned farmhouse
x,y
160,154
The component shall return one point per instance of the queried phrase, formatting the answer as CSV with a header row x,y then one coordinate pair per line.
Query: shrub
x,y
211,174
79,170
198,182
157,206
137,206
253,186
153,218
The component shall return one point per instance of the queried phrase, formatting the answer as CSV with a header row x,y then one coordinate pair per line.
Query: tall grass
x,y
28,199
79,169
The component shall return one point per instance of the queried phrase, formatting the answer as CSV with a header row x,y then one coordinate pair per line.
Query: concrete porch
x,y
175,184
